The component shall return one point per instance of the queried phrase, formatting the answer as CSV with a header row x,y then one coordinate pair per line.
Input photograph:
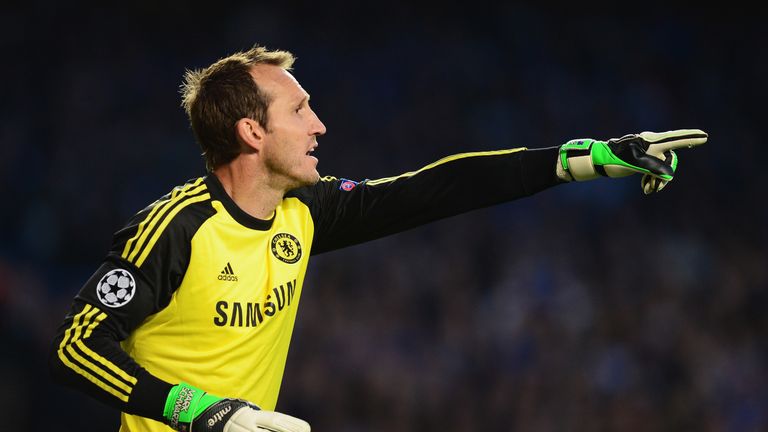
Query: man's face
x,y
293,129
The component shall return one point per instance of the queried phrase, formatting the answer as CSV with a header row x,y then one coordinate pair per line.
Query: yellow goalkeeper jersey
x,y
195,290
234,309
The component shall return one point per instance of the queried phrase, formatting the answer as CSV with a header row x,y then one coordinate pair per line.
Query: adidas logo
x,y
228,274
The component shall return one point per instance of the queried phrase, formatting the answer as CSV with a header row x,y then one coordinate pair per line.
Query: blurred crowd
x,y
588,307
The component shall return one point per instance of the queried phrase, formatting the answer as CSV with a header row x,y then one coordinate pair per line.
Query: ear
x,y
250,133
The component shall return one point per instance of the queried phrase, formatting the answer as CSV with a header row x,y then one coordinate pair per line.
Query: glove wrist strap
x,y
576,160
184,403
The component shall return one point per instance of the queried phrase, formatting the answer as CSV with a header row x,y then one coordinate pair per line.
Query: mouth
x,y
311,150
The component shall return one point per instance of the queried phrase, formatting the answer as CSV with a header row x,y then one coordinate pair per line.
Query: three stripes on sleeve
x,y
149,230
74,353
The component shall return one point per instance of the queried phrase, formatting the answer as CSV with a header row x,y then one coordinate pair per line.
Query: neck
x,y
249,189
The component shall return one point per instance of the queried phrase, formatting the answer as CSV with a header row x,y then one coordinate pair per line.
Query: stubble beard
x,y
288,176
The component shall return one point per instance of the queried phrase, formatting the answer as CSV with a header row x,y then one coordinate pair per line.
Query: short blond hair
x,y
216,97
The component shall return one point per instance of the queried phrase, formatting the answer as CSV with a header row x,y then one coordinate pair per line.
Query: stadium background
x,y
588,307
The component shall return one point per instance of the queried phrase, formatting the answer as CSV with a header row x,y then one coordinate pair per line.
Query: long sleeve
x,y
145,265
87,355
347,212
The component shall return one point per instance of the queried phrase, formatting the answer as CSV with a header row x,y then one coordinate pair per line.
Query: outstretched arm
x,y
347,212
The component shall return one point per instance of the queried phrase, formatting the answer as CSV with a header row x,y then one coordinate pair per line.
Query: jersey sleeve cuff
x,y
148,397
538,169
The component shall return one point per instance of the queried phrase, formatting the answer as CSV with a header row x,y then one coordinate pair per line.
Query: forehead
x,y
277,82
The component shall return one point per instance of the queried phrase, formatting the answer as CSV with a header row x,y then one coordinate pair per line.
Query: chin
x,y
308,180
314,179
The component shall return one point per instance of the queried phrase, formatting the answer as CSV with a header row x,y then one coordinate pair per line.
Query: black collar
x,y
243,218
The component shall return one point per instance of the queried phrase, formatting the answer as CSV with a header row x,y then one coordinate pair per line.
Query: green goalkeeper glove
x,y
649,153
190,409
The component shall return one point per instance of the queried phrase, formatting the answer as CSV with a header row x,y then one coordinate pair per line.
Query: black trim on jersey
x,y
164,214
97,373
149,395
218,193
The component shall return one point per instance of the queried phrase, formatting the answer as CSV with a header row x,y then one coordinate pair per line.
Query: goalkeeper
x,y
186,323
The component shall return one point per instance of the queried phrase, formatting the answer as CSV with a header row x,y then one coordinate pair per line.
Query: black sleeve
x,y
136,279
347,212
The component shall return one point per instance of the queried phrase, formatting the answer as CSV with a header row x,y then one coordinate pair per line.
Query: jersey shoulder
x,y
310,195
175,216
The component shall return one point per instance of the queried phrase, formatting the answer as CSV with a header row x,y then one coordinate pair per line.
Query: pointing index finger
x,y
660,142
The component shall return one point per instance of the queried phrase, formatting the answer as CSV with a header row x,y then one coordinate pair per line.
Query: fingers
x,y
653,164
651,184
660,142
250,420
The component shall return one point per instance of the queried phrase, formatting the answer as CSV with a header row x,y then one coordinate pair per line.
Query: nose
x,y
318,128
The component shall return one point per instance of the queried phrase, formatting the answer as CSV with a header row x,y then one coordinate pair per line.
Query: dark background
x,y
588,307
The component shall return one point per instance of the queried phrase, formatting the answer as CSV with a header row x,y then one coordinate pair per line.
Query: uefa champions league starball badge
x,y
116,288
